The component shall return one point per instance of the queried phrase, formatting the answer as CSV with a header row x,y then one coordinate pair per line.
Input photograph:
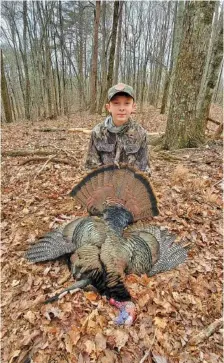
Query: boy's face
x,y
120,107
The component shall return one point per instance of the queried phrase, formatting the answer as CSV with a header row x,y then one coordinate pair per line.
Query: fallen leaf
x,y
28,336
90,346
74,334
143,300
68,344
101,342
121,338
159,358
14,355
92,296
110,357
30,316
160,322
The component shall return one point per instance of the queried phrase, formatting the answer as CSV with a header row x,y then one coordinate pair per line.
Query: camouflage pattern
x,y
128,146
120,87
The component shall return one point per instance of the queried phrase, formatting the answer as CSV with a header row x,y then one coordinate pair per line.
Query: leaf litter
x,y
174,308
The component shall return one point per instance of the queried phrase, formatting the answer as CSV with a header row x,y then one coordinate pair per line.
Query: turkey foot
x,y
127,313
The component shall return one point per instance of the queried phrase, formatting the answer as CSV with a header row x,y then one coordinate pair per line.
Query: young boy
x,y
119,139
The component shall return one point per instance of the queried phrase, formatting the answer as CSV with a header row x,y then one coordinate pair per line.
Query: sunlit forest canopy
x,y
48,53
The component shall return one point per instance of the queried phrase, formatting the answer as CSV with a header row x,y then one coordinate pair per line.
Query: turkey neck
x,y
117,218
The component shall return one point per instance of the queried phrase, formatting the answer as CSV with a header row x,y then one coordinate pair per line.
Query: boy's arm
x,y
142,159
93,158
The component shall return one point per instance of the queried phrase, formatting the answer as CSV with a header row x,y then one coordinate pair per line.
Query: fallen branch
x,y
55,160
79,129
207,332
15,153
55,129
169,157
27,152
50,129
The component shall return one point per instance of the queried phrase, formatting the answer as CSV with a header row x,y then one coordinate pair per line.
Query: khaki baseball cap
x,y
120,87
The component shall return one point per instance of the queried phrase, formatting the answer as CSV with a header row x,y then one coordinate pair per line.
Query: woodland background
x,y
58,58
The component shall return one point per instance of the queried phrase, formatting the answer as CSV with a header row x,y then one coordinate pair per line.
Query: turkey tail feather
x,y
112,185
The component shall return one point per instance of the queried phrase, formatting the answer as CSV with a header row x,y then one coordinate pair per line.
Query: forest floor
x,y
178,312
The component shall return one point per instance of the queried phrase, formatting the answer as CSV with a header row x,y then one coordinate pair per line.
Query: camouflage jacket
x,y
128,146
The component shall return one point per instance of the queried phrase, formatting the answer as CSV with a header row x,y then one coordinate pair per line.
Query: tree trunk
x,y
103,60
5,94
111,56
93,77
118,48
215,56
113,44
25,62
177,35
182,129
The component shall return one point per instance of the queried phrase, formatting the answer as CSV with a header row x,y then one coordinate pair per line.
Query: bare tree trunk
x,y
5,94
211,71
27,80
112,53
93,76
63,83
177,35
103,60
169,70
113,44
182,129
118,48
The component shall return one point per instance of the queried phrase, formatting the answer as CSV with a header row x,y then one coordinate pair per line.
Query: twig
x,y
42,168
219,181
207,332
149,350
68,153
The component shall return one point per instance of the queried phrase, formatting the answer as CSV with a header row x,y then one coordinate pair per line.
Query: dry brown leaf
x,y
50,312
160,322
74,334
90,346
143,300
101,342
14,355
90,295
158,358
30,316
110,357
121,338
28,336
68,344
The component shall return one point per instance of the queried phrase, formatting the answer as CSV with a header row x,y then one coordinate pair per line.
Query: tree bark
x,y
182,129
5,94
25,62
113,44
118,48
215,56
93,76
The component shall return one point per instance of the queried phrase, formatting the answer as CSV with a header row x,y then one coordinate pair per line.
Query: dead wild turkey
x,y
106,246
